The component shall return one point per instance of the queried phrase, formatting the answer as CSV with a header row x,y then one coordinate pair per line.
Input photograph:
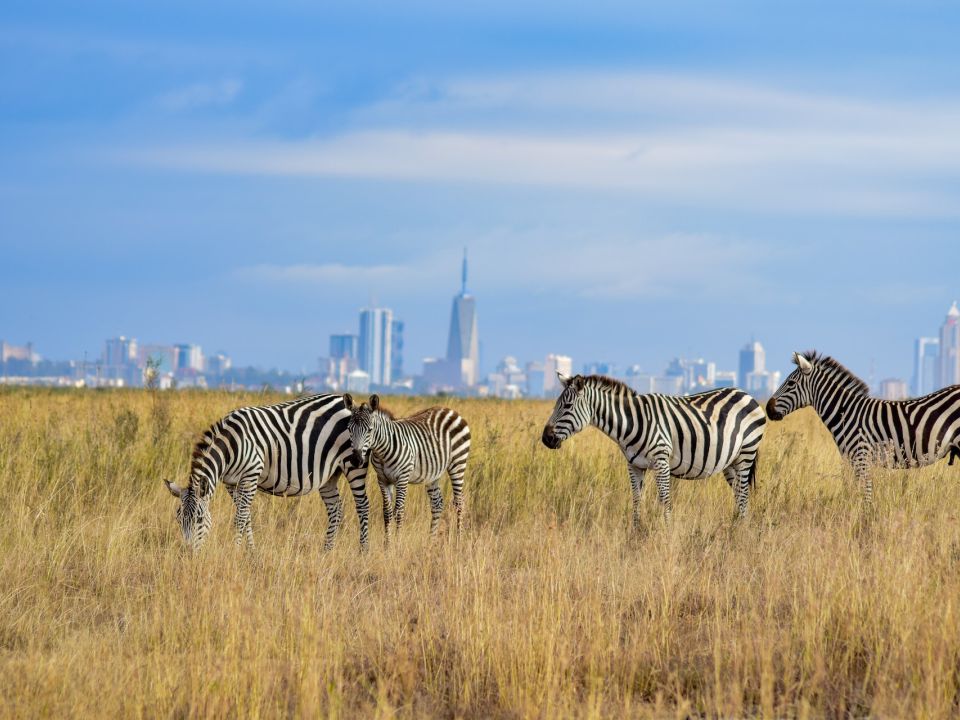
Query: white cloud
x,y
679,139
199,95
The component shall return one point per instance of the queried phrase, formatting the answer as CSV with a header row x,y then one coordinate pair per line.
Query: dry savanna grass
x,y
815,606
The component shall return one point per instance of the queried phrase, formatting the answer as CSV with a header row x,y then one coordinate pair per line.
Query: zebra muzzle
x,y
550,439
772,411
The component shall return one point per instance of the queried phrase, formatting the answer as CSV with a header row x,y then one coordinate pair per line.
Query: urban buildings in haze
x,y
374,345
949,361
926,356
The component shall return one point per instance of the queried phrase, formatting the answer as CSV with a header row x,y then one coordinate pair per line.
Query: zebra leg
x,y
436,505
662,469
731,476
401,503
243,498
357,479
862,472
743,488
456,482
636,487
331,499
386,492
954,453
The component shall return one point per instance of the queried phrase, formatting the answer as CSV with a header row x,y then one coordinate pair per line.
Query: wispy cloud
x,y
678,139
198,95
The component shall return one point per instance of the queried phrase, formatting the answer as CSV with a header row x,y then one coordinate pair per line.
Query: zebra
x,y
289,449
415,449
870,431
693,436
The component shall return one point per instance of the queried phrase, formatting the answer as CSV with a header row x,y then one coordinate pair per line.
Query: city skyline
x,y
634,181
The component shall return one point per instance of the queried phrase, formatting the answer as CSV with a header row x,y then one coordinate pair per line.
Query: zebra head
x,y
570,415
796,391
193,513
361,426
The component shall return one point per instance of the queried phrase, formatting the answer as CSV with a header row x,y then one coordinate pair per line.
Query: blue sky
x,y
634,181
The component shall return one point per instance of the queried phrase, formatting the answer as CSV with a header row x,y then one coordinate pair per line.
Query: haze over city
x,y
633,184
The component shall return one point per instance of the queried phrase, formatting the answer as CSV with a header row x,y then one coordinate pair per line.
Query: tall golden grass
x,y
548,606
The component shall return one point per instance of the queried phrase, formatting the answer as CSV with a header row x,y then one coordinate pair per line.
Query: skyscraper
x,y
463,349
926,352
396,350
753,359
950,348
343,346
374,347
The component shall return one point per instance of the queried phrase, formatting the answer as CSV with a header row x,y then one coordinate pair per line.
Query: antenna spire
x,y
463,286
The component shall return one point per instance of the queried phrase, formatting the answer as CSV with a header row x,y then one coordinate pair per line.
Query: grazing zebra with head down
x,y
415,449
290,449
890,433
687,437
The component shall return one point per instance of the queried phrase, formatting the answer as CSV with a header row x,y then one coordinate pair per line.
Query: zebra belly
x,y
418,474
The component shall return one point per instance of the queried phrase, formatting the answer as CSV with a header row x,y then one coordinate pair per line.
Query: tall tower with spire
x,y
950,348
463,346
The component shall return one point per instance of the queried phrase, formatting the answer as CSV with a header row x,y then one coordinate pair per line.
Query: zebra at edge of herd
x,y
295,447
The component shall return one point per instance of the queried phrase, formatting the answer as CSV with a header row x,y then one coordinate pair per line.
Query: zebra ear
x,y
348,400
374,402
801,362
564,379
578,382
174,489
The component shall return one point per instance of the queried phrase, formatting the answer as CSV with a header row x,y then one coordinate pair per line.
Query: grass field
x,y
815,606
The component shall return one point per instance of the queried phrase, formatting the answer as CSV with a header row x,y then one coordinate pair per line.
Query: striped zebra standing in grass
x,y
415,449
687,437
870,431
290,449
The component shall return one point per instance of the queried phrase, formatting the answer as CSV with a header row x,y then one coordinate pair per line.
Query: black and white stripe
x,y
687,437
415,449
289,449
870,431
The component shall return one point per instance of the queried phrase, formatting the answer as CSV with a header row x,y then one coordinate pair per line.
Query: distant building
x,y
218,364
374,345
601,368
555,364
893,389
536,379
343,346
165,355
724,379
926,353
396,350
640,381
17,352
463,346
358,381
120,352
949,361
701,375
188,359
753,359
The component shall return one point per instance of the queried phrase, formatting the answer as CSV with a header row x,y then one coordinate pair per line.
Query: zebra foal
x,y
687,437
870,431
289,449
415,449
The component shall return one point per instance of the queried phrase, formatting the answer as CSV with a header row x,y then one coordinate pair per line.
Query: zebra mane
x,y
386,411
199,451
851,381
604,382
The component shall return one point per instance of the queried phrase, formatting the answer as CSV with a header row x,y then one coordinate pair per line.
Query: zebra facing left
x,y
289,449
692,436
870,431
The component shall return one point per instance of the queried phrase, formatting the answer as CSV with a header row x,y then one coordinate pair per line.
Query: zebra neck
x,y
383,434
609,409
833,405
